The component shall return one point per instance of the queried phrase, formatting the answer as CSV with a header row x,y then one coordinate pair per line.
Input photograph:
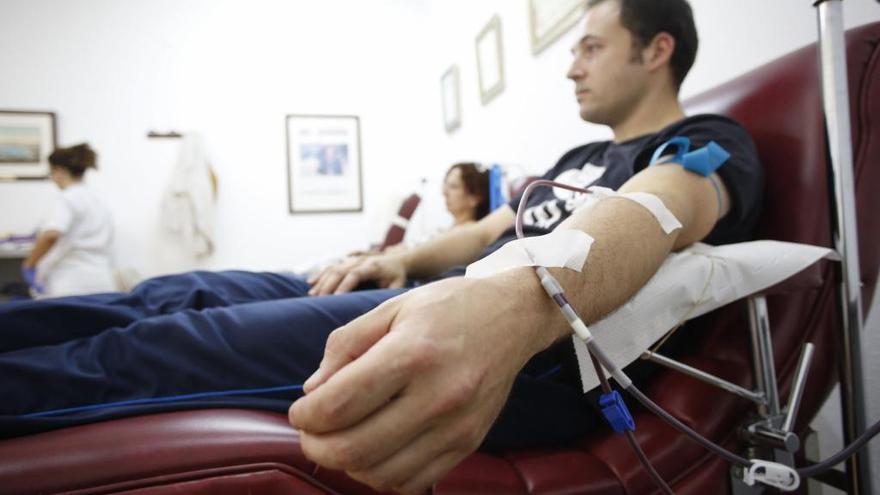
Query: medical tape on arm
x,y
650,202
564,248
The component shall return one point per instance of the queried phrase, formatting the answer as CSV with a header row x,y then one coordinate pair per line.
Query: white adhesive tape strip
x,y
565,248
652,203
400,221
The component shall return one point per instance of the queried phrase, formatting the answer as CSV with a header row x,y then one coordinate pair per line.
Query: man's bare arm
x,y
629,244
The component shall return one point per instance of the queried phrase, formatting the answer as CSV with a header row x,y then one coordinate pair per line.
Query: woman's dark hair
x,y
645,18
476,183
75,159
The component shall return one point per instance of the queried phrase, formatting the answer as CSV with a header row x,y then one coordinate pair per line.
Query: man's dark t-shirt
x,y
610,164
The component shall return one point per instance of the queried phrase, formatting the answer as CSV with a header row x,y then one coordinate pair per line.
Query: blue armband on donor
x,y
616,413
703,161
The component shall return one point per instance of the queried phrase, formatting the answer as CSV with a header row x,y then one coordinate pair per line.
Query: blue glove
x,y
30,278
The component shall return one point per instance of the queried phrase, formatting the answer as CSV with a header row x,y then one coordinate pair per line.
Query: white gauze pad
x,y
690,283
565,248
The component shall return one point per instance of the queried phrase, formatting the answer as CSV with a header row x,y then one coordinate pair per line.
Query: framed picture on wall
x,y
490,60
451,99
549,19
323,164
26,140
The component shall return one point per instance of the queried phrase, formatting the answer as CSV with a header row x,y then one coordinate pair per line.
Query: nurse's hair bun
x,y
75,159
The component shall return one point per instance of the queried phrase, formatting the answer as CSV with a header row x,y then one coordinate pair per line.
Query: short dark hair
x,y
645,18
75,159
476,183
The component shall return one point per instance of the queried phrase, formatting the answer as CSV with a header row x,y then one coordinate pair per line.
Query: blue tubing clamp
x,y
616,412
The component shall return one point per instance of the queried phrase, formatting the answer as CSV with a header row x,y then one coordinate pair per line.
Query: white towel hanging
x,y
187,210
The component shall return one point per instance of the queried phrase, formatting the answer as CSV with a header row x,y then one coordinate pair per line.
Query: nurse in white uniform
x,y
72,254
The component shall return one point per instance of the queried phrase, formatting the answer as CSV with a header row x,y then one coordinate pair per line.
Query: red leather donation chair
x,y
244,451
397,230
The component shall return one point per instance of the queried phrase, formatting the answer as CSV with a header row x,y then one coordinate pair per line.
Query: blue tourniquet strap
x,y
703,161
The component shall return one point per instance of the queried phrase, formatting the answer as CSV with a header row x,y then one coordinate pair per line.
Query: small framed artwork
x,y
26,141
490,61
549,19
451,99
324,164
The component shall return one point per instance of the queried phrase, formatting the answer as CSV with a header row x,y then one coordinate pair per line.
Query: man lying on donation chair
x,y
396,386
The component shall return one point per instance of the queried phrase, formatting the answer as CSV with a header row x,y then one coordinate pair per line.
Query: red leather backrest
x,y
864,90
780,105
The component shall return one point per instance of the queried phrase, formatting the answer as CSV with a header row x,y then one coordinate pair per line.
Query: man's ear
x,y
659,52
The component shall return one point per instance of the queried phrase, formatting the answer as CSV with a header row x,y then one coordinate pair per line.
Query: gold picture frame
x,y
451,99
26,140
550,19
490,60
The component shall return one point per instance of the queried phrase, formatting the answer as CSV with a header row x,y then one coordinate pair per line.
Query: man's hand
x,y
408,390
386,270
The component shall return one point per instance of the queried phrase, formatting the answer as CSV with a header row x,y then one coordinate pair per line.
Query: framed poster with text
x,y
323,164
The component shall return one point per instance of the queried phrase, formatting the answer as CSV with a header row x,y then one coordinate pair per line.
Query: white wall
x,y
231,70
535,119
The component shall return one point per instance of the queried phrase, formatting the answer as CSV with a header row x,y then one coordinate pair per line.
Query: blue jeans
x,y
215,339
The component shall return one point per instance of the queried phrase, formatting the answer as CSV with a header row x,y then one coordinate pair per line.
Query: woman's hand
x,y
388,271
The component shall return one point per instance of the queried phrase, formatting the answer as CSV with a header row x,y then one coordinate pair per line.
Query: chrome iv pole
x,y
835,106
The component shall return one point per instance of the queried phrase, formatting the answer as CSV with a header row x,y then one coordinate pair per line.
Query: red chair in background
x,y
242,451
397,230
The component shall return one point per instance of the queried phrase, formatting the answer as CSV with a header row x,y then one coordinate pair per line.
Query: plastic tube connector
x,y
616,412
772,474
